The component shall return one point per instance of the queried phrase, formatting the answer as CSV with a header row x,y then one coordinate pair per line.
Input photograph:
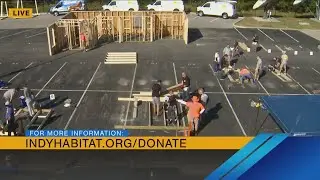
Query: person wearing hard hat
x,y
195,109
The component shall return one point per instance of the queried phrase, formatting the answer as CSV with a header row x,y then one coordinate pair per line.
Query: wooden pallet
x,y
121,58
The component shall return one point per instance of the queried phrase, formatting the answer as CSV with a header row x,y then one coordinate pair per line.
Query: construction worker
x,y
171,107
235,48
203,97
275,65
83,40
156,91
258,69
186,85
284,62
195,109
244,74
10,120
217,62
29,97
255,39
10,94
227,55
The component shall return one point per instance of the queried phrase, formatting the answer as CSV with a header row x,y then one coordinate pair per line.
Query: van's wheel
x,y
131,9
225,16
200,13
107,10
151,10
56,13
176,10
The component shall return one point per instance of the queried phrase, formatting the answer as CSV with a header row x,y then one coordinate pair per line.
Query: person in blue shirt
x,y
10,120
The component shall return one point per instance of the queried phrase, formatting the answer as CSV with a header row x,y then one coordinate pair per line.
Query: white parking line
x,y
214,20
265,34
225,95
263,47
15,33
20,72
51,79
132,85
316,71
176,78
84,93
298,84
36,34
195,18
279,48
241,33
289,35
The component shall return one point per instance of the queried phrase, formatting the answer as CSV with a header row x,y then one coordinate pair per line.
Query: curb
x,y
248,27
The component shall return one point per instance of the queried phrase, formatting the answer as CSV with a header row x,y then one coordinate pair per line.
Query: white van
x,y
166,6
215,8
63,6
130,5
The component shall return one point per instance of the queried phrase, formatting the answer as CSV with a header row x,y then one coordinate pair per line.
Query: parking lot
x,y
95,87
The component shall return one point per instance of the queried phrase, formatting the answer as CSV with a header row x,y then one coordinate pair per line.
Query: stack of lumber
x,y
243,46
121,58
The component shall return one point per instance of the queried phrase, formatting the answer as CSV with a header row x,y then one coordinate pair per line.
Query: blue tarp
x,y
299,114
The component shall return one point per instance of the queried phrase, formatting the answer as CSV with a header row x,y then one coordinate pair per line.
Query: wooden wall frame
x,y
115,26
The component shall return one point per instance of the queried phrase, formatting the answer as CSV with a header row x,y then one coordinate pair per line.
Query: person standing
x,y
227,55
194,112
29,99
83,41
258,69
284,62
217,62
186,85
255,39
10,120
203,97
156,92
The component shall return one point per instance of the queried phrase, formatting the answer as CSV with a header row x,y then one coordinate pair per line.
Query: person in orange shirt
x,y
194,112
244,74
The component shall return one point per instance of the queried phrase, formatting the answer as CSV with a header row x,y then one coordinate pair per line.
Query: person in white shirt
x,y
217,62
10,94
258,69
29,99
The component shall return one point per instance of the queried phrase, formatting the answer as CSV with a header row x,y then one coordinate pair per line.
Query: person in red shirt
x,y
195,109
83,40
245,74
